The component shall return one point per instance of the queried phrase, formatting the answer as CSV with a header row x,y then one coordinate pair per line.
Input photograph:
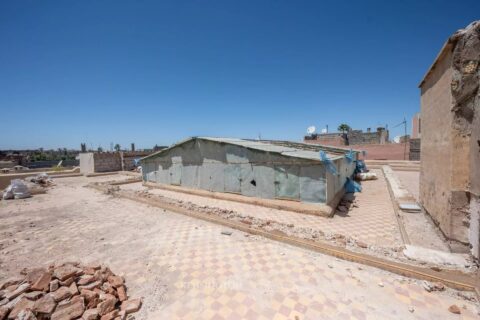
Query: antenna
x,y
311,130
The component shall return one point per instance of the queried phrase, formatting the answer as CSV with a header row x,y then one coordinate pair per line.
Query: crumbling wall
x,y
450,139
436,150
465,109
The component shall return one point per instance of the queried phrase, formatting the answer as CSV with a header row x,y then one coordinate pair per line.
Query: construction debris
x,y
16,190
42,179
454,309
67,291
364,176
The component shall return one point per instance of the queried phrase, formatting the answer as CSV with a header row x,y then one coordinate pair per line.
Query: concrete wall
x,y
228,168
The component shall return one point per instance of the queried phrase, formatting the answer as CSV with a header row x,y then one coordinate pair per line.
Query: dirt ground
x,y
187,269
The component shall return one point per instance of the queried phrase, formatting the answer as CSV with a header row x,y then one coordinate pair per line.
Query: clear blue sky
x,y
154,72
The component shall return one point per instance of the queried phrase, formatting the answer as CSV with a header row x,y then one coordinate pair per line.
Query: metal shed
x,y
264,169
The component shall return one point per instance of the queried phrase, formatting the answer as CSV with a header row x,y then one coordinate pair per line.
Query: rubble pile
x,y
42,179
21,189
64,292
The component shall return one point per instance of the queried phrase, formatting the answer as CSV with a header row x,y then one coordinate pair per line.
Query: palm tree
x,y
343,127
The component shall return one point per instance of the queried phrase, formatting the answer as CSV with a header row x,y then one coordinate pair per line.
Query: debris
x,y
362,244
227,233
18,189
427,286
131,306
42,179
24,301
380,284
454,309
364,176
411,309
410,207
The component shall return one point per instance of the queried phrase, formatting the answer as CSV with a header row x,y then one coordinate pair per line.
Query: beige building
x,y
450,148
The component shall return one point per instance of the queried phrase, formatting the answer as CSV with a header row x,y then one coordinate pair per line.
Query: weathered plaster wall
x,y
436,151
450,174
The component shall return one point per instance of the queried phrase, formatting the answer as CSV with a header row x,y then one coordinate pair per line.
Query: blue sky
x,y
154,72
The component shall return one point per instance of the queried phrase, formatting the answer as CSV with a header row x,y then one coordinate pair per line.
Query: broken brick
x,y
23,304
66,271
110,316
18,291
90,314
91,286
4,312
61,294
34,295
45,305
69,310
106,306
54,285
132,305
73,288
115,281
84,280
122,294
43,281
454,309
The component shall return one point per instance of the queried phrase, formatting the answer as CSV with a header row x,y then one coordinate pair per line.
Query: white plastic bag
x,y
8,193
19,189
363,176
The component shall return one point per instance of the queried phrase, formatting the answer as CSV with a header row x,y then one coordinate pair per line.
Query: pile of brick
x,y
64,292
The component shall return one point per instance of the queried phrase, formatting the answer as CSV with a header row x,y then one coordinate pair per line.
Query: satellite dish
x,y
311,130
324,130
396,139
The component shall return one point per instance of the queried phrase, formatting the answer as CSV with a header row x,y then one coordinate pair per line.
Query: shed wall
x,y
222,167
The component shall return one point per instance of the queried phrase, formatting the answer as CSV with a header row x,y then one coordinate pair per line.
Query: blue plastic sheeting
x,y
349,156
361,166
328,163
352,186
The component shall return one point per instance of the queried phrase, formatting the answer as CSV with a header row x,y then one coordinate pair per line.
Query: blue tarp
x,y
352,186
328,163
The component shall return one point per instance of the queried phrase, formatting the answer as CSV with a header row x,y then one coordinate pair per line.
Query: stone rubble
x,y
64,292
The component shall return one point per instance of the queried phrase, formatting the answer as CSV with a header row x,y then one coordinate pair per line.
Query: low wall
x,y
390,151
6,178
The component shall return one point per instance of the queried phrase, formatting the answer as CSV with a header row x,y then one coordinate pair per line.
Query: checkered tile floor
x,y
372,222
186,269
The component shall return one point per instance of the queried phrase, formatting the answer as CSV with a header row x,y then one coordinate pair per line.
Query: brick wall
x,y
107,161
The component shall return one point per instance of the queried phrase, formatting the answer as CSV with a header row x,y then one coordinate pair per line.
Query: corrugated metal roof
x,y
289,151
